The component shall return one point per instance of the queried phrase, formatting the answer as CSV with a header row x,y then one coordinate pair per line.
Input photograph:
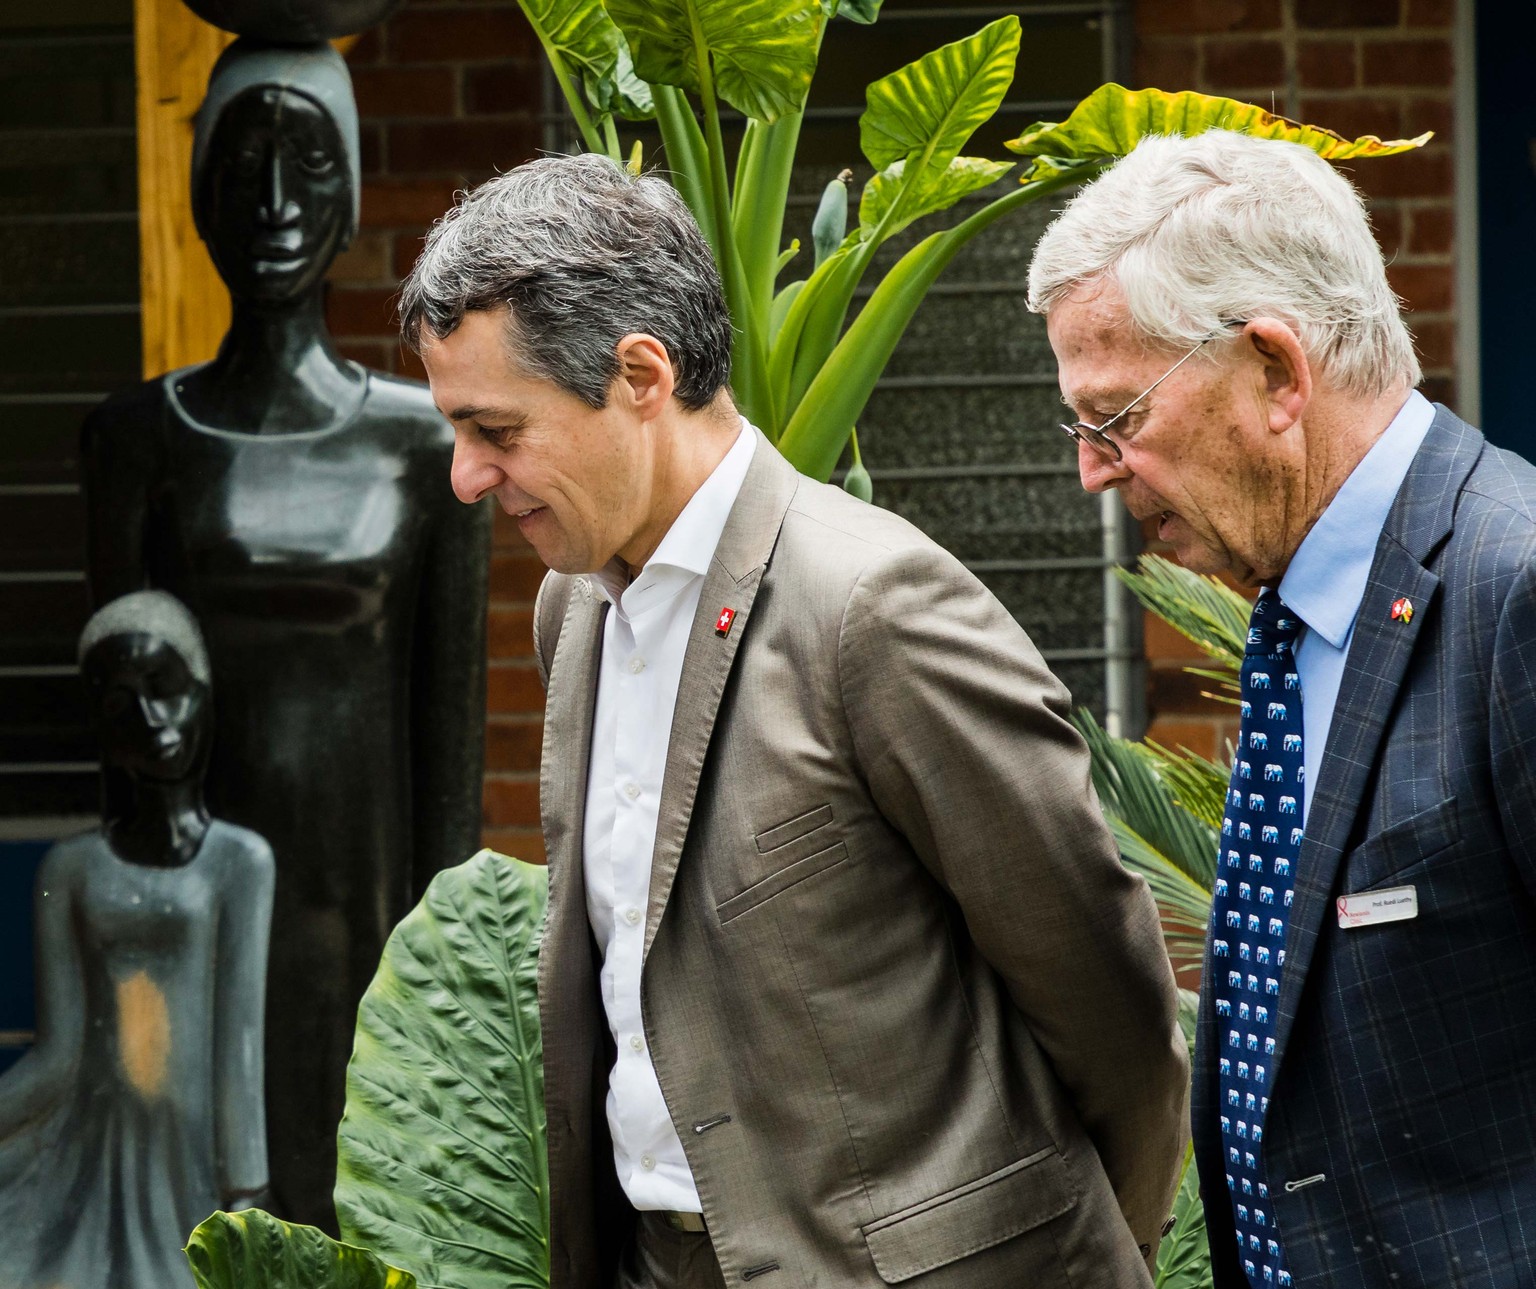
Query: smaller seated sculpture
x,y
139,1110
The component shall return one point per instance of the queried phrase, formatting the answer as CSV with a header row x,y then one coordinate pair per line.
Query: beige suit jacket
x,y
912,1018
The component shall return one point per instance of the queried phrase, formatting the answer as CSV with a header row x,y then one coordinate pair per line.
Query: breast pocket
x,y
1397,853
797,849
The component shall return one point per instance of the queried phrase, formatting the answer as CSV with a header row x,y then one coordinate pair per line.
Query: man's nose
x,y
1098,471
473,473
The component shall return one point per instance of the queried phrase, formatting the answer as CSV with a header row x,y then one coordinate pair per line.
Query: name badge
x,y
1373,908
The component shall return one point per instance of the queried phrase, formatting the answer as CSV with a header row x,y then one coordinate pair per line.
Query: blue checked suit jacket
x,y
1401,1134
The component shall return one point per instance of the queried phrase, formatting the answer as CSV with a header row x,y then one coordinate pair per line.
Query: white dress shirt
x,y
644,638
1326,579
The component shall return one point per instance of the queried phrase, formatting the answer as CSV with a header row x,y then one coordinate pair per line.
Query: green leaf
x,y
1112,120
932,107
763,51
442,1159
254,1250
1203,609
1184,1257
1198,785
582,37
939,190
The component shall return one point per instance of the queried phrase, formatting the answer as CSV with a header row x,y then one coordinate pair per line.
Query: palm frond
x,y
1198,784
1204,610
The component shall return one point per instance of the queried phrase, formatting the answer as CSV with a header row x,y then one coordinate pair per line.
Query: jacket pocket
x,y
1384,858
780,835
971,1218
777,883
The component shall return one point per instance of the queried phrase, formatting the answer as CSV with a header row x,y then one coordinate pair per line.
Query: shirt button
x,y
632,916
636,665
636,1042
631,790
648,1162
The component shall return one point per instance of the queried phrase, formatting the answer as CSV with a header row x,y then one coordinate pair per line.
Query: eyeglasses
x,y
1100,442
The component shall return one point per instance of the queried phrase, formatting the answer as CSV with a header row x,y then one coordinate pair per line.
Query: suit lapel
x,y
734,577
1379,655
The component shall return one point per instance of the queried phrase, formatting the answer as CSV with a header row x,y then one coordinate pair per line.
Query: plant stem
x,y
589,134
611,138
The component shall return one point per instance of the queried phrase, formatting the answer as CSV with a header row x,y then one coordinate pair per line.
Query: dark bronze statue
x,y
299,504
139,1110
293,21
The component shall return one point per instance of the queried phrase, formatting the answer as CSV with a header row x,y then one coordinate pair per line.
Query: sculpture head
x,y
148,681
275,169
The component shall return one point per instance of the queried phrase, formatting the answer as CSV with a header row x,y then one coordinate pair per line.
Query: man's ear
x,y
1287,373
645,375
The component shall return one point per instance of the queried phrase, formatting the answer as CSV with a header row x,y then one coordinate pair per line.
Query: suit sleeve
x,y
962,732
1512,723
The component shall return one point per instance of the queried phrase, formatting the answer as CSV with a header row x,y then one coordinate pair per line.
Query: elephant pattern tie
x,y
1255,881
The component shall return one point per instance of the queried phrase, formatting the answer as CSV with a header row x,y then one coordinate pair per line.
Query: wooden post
x,y
185,305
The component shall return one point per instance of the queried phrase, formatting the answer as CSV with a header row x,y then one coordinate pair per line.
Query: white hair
x,y
1198,233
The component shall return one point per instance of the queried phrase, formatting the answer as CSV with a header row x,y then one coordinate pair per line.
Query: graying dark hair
x,y
581,253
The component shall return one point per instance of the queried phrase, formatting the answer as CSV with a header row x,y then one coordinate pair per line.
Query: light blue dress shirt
x,y
1326,580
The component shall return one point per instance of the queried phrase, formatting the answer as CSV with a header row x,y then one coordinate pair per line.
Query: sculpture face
x,y
150,709
274,203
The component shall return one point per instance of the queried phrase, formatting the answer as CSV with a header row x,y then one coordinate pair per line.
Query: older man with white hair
x,y
1238,369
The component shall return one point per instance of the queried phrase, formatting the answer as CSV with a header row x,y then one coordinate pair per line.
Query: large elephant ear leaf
x,y
442,1161
939,190
580,35
254,1250
931,107
762,52
1112,120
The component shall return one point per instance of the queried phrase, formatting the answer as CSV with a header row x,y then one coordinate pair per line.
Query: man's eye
x,y
499,435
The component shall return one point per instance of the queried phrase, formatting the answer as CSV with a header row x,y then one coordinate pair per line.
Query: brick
x,y
513,689
1166,64
1245,63
370,353
1348,13
503,88
510,632
367,260
513,745
516,577
1425,288
1199,737
465,149
409,364
1387,223
389,92
1200,17
408,244
1437,113
1327,64
360,311
1162,644
1406,62
1426,173
524,844
1432,230
460,35
1354,114
1173,690
391,203
366,49
1431,13
1440,389
1435,341
370,150
509,803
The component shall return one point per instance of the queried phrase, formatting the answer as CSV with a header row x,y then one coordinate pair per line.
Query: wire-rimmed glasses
x,y
1094,435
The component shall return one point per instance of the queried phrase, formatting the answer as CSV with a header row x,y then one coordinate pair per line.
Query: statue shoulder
x,y
127,413
244,850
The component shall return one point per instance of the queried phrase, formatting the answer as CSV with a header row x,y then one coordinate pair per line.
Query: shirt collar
x,y
1326,580
689,545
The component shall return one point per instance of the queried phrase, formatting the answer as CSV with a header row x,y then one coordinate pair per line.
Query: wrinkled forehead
x,y
1101,355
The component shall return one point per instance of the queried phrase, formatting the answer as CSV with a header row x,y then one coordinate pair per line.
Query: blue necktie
x,y
1260,840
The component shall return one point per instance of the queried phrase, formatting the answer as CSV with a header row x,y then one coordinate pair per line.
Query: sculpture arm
x,y
37,1081
245,920
448,694
114,470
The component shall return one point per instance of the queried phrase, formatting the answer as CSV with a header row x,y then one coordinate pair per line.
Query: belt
x,y
693,1223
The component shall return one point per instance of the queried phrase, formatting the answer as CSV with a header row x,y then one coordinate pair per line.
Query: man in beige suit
x,y
842,983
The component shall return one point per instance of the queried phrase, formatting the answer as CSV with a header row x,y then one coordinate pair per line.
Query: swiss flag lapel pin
x,y
1402,610
723,622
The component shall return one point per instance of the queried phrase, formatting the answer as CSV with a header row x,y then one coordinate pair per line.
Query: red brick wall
x,y
448,93
1380,67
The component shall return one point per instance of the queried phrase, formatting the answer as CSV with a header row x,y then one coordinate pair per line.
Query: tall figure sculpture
x,y
299,504
139,1110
